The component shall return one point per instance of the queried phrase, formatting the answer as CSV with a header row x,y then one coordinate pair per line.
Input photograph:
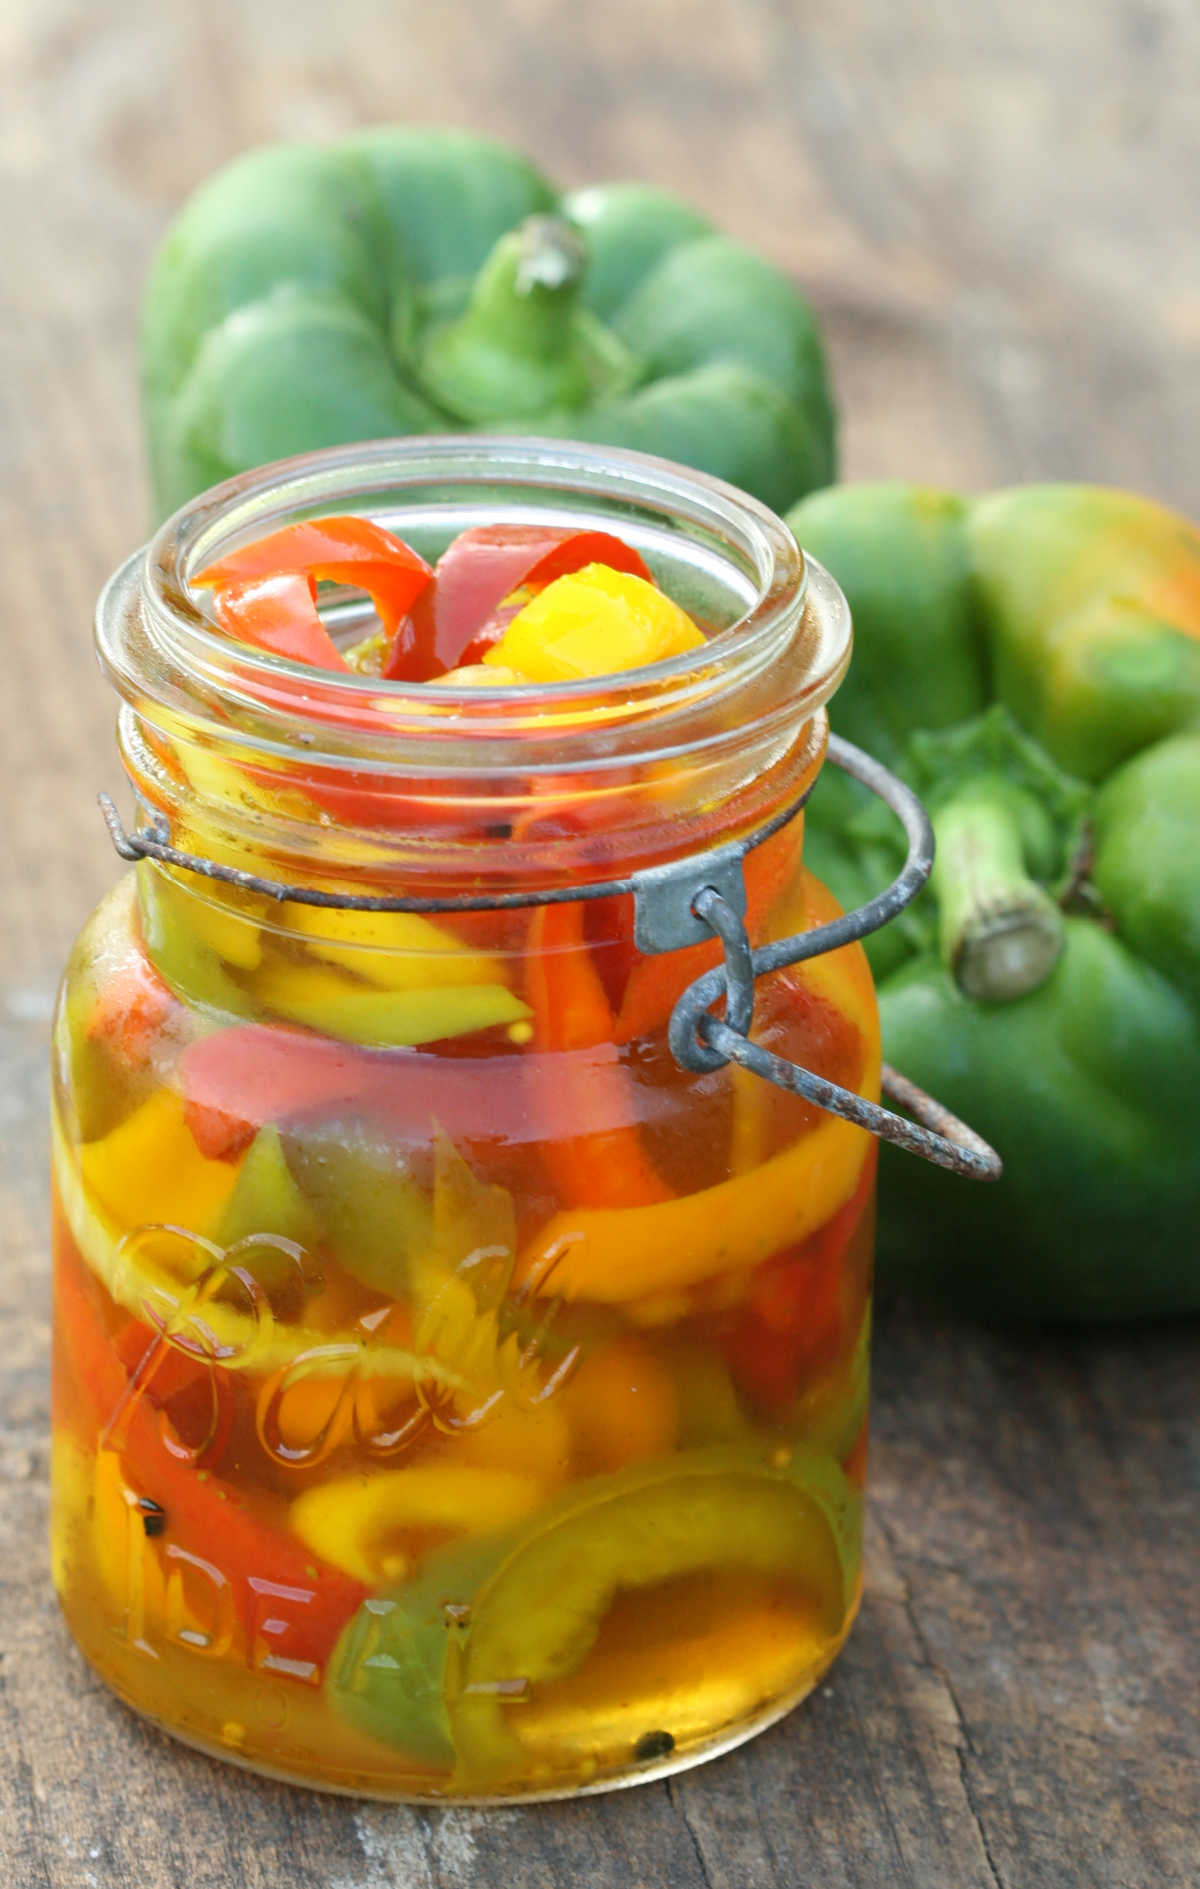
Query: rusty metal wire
x,y
702,1041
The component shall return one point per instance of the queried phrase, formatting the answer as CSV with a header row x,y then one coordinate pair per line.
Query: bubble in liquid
x,y
271,1705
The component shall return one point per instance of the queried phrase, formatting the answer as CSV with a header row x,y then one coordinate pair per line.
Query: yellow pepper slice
x,y
625,1255
108,1536
615,1254
129,1569
396,950
621,1404
149,1171
536,1440
594,622
359,1522
226,918
233,935
323,1000
219,781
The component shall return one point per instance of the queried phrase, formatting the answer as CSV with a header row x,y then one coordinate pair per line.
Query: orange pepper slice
x,y
571,1012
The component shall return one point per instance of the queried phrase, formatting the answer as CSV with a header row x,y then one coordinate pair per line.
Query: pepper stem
x,y
999,931
524,344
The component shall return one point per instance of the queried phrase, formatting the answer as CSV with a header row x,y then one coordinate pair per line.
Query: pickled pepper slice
x,y
428,1667
617,1254
279,614
571,1012
271,584
595,622
460,615
203,1513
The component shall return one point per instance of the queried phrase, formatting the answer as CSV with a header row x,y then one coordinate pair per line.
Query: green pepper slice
x,y
430,1666
359,1185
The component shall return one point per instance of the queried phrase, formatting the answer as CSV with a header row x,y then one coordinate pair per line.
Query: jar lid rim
x,y
159,645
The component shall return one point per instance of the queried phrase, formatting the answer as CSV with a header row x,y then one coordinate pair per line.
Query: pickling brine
x,y
453,1395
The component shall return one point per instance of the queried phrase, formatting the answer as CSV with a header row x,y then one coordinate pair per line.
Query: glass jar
x,y
454,1396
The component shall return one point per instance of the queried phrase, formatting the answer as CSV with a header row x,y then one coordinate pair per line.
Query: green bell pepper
x,y
1030,662
422,281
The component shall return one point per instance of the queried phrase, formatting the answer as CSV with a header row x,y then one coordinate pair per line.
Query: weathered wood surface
x,y
994,206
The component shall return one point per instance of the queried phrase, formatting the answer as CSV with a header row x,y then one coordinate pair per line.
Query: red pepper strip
x,y
235,1081
265,595
607,1168
455,620
279,614
267,1572
594,824
608,928
794,1320
343,550
197,1400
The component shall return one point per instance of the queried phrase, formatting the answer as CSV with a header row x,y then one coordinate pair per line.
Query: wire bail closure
x,y
689,901
701,1041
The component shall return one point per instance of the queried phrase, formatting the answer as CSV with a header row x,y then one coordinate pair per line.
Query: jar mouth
x,y
738,566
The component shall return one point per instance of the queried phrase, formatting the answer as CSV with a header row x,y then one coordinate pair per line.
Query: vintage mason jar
x,y
454,1393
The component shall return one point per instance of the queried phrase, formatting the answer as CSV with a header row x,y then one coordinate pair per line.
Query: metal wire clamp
x,y
689,901
700,1041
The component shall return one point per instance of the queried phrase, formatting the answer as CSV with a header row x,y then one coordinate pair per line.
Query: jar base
x,y
357,1782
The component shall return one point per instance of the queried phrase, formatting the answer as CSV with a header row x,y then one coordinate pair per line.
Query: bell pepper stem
x,y
999,932
524,343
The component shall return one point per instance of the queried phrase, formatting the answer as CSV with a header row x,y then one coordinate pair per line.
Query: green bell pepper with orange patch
x,y
1030,661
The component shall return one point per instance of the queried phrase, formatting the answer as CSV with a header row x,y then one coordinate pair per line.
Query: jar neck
x,y
344,780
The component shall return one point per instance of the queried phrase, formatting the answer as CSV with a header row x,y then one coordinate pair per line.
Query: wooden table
x,y
994,207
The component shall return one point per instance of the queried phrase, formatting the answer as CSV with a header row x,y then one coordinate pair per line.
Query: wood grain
x,y
992,206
